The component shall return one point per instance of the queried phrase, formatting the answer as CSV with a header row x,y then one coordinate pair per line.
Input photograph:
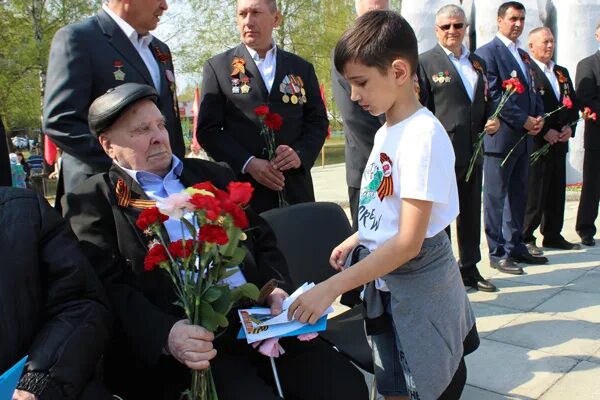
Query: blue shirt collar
x,y
143,177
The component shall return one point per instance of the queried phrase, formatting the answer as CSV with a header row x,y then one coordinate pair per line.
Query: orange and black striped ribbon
x,y
124,197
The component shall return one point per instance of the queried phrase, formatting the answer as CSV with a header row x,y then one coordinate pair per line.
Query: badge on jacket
x,y
292,87
442,77
118,73
240,82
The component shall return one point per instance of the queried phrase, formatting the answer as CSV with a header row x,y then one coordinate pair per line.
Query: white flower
x,y
176,205
513,74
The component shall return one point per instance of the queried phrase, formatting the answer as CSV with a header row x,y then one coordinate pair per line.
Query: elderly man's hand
x,y
191,345
266,174
565,134
286,158
275,300
552,136
23,395
492,126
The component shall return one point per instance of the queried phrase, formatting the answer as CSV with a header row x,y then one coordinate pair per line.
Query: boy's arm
x,y
396,251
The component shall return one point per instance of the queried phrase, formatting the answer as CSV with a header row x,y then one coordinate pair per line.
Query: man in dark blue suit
x,y
505,187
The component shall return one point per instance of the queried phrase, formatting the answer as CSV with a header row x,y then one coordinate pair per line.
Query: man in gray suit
x,y
359,126
88,58
455,85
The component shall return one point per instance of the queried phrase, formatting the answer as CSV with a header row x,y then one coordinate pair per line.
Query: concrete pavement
x,y
540,333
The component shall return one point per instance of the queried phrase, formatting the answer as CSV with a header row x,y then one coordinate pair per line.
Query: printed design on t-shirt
x,y
375,177
386,186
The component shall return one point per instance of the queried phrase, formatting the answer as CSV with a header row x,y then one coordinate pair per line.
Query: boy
x,y
417,310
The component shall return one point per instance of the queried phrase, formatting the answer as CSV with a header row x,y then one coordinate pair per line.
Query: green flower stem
x,y
513,149
476,152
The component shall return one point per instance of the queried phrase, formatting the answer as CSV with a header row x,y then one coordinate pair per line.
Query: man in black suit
x,y
359,125
256,73
587,80
153,345
88,58
547,177
456,87
505,189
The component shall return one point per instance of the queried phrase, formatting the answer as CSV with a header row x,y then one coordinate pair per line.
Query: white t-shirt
x,y
412,159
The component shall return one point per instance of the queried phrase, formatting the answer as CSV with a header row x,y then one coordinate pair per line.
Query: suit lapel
x,y
444,60
507,55
259,88
164,83
123,45
544,83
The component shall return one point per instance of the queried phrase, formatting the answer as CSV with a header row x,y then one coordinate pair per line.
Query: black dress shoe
x,y
588,241
529,259
508,266
533,249
561,244
479,283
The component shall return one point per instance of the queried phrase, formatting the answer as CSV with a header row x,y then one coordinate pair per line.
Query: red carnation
x,y
213,234
207,203
156,255
206,185
181,249
261,111
238,215
273,121
149,217
513,84
567,102
240,192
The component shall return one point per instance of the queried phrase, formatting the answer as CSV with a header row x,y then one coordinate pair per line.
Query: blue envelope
x,y
9,379
320,325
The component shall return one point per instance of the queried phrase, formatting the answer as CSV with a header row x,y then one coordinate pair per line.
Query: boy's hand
x,y
275,300
339,255
309,306
492,126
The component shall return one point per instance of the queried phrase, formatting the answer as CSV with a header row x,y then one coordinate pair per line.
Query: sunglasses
x,y
447,26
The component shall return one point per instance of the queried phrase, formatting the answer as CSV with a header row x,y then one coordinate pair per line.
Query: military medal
x,y
162,57
285,98
240,83
235,85
294,99
118,73
245,84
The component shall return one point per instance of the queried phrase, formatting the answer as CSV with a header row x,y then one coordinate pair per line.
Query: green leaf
x,y
248,290
223,304
211,294
236,258
229,273
189,226
221,320
207,317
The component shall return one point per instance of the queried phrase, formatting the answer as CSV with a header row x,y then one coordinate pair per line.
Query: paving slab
x,y
474,393
589,282
516,295
551,275
576,305
581,383
551,334
491,317
512,370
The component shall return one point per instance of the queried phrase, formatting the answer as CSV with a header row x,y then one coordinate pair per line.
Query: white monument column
x,y
421,16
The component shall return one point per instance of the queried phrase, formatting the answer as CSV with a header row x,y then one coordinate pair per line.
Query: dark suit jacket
x,y
230,131
144,302
587,81
462,118
80,69
500,64
359,129
561,118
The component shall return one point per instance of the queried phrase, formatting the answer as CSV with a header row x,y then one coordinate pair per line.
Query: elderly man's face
x,y
541,45
144,15
450,31
139,140
512,24
363,6
255,21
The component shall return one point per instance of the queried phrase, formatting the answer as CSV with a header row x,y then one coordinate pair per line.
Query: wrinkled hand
x,y
309,306
266,174
286,158
492,126
275,300
534,125
566,133
339,255
552,136
23,395
191,345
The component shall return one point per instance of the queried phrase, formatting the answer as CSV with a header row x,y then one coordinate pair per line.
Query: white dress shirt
x,y
465,70
513,48
266,66
141,45
548,70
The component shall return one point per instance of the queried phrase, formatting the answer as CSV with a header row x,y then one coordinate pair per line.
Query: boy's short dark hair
x,y
509,4
376,39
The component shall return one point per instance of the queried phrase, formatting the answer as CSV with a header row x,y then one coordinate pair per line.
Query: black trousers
x,y
590,195
468,222
546,198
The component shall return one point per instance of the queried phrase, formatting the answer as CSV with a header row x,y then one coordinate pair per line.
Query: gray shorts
x,y
392,374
